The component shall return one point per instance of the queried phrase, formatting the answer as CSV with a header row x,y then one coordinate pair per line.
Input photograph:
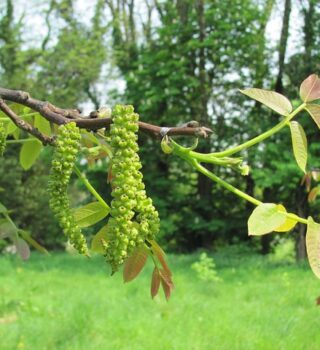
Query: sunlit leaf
x,y
265,218
310,88
22,248
299,144
42,124
271,99
313,194
315,173
288,225
96,244
11,127
29,153
155,282
90,214
313,245
135,263
314,111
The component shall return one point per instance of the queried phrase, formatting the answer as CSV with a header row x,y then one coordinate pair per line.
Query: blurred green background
x,y
175,61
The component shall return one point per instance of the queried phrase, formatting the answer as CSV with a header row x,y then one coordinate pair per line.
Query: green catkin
x,y
134,219
3,137
65,154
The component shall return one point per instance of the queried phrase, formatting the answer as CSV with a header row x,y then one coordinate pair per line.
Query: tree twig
x,y
22,124
60,116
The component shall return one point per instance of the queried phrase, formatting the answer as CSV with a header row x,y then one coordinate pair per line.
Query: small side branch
x,y
24,125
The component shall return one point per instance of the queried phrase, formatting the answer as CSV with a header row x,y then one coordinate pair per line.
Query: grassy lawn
x,y
68,302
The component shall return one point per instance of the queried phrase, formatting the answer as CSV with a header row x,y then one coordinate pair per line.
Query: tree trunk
x,y
283,44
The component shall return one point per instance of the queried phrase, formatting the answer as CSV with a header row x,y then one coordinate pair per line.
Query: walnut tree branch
x,y
22,124
60,116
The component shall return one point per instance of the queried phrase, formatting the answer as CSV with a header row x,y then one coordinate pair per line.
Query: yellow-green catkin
x,y
134,220
65,154
3,137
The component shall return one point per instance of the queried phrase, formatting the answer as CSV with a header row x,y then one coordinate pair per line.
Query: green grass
x,y
68,302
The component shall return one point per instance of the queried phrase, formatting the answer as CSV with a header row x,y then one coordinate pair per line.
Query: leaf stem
x,y
91,189
187,155
21,140
261,137
223,183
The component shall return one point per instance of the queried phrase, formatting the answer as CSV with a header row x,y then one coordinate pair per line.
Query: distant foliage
x,y
206,268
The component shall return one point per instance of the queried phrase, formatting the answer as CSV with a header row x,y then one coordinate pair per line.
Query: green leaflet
x,y
299,144
42,124
90,214
271,99
314,111
96,244
266,218
313,245
29,153
3,209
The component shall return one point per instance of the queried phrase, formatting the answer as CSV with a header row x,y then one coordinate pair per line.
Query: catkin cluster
x,y
66,150
3,137
133,217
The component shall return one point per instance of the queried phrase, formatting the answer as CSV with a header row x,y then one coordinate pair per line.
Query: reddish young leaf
x,y
318,301
313,194
155,282
22,248
310,88
159,253
314,111
135,263
166,282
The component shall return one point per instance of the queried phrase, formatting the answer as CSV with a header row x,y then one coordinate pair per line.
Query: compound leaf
x,y
271,99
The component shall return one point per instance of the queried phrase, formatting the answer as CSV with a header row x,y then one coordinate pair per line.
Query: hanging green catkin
x,y
3,137
134,220
65,154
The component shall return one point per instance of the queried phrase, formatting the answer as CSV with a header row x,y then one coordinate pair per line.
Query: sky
x,y
33,12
